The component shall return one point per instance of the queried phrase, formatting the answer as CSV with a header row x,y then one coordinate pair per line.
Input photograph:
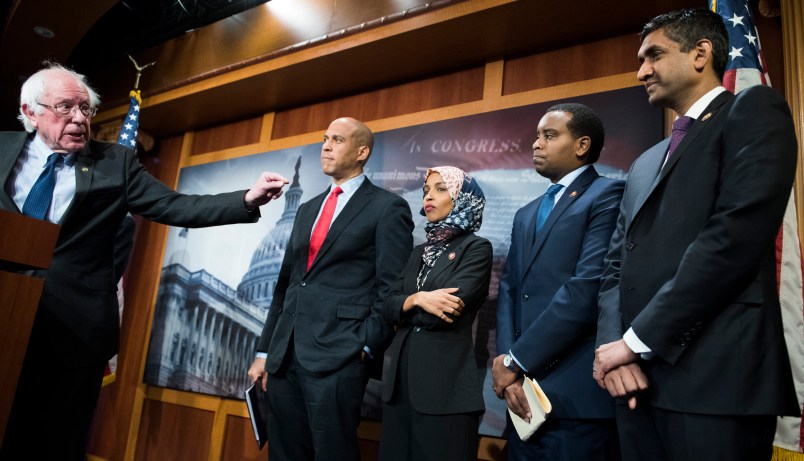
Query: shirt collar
x,y
351,185
40,151
572,176
701,104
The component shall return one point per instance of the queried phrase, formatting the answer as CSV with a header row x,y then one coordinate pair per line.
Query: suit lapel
x,y
646,179
304,227
574,190
448,257
84,169
8,159
697,127
659,151
355,205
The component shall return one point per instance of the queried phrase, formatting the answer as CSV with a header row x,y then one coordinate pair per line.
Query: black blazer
x,y
443,372
334,310
692,268
81,283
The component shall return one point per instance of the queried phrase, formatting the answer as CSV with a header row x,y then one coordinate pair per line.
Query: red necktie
x,y
322,226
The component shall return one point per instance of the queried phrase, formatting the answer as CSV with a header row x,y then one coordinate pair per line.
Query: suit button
x,y
630,246
525,297
304,284
517,333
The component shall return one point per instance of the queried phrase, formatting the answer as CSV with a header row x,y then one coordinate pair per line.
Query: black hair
x,y
686,27
584,122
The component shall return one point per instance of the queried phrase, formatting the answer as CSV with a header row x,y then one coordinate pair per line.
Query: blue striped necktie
x,y
38,200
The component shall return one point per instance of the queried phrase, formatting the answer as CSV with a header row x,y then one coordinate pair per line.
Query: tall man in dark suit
x,y
547,304
91,186
690,326
325,326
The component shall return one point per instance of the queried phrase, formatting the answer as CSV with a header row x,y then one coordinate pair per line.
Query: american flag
x,y
128,132
746,67
127,137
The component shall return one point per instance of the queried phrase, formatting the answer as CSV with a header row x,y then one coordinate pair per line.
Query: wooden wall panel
x,y
432,93
170,431
582,62
239,444
117,408
225,136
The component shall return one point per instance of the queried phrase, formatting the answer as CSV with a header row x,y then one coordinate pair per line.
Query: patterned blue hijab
x,y
466,214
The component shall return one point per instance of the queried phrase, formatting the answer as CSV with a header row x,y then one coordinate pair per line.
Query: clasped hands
x,y
616,370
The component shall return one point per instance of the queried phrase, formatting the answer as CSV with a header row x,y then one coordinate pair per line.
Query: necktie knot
x,y
680,126
553,190
548,201
682,123
337,191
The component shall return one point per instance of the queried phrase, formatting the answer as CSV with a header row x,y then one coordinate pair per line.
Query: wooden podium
x,y
27,243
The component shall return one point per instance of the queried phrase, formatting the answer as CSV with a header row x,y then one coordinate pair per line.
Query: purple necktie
x,y
679,130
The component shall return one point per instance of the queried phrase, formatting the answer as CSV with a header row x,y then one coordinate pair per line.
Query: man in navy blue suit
x,y
547,304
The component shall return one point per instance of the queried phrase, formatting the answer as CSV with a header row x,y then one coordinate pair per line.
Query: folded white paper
x,y
540,407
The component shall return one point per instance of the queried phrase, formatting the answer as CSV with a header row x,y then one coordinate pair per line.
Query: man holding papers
x,y
547,304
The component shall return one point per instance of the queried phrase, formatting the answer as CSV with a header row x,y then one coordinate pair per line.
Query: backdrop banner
x,y
217,283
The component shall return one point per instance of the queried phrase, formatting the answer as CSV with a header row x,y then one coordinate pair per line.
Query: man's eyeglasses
x,y
66,110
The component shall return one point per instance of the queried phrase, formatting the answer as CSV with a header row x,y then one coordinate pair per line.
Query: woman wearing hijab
x,y
433,389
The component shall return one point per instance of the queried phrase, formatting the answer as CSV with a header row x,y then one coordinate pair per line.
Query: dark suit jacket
x,y
81,283
443,375
692,263
547,304
335,309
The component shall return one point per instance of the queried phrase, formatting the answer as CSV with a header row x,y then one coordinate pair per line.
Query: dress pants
x,y
662,435
408,435
314,416
566,440
54,402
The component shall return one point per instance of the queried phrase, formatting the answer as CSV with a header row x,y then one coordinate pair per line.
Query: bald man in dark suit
x,y
325,330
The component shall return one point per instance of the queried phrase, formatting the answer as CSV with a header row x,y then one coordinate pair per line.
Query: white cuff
x,y
636,344
524,370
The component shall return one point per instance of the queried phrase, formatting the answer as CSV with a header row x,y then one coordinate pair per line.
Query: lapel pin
x,y
573,194
706,117
84,169
451,256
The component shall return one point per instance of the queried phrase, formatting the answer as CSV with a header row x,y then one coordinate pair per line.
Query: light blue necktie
x,y
548,201
38,200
